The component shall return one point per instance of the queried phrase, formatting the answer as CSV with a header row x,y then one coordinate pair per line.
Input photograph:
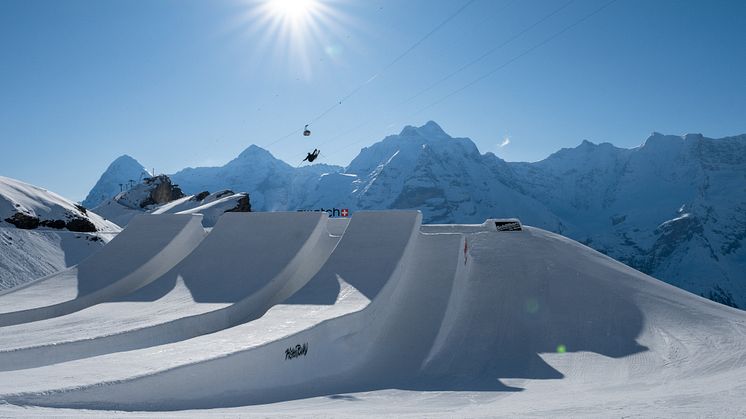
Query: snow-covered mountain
x,y
159,195
273,184
674,207
42,232
124,171
424,168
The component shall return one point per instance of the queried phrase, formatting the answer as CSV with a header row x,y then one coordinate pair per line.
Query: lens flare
x,y
291,35
292,9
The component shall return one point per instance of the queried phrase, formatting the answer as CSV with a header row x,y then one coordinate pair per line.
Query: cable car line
x,y
500,67
378,74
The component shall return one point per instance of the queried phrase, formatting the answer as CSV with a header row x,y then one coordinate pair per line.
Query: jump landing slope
x,y
238,271
146,249
428,318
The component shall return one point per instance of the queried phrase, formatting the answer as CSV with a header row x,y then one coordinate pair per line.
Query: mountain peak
x,y
656,139
125,158
123,170
430,130
254,151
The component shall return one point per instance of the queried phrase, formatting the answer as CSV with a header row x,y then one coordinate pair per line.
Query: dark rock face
x,y
200,196
82,209
24,221
163,193
224,193
80,225
28,222
58,224
243,205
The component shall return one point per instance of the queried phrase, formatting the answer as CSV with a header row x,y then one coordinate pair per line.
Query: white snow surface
x,y
29,254
392,319
126,205
17,196
132,259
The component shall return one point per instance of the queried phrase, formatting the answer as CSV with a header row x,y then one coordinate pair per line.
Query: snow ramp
x,y
370,260
145,250
247,263
457,309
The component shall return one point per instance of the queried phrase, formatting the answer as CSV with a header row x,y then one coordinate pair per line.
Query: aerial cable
x,y
490,51
378,74
506,5
395,61
517,57
500,67
476,60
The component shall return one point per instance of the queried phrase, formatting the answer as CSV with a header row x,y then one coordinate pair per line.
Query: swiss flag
x,y
344,212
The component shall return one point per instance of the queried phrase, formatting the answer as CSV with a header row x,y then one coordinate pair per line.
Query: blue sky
x,y
193,83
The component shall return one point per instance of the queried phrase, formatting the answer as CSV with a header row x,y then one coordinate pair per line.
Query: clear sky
x,y
182,83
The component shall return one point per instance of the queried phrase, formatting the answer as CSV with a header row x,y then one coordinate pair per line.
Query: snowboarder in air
x,y
312,155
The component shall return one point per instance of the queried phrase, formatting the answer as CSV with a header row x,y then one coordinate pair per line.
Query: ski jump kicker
x,y
272,307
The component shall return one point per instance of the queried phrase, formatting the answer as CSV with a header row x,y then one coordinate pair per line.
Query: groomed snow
x,y
410,320
135,257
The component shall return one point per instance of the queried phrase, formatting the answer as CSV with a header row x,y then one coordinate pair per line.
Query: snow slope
x,y
138,255
435,321
674,207
160,196
42,232
254,268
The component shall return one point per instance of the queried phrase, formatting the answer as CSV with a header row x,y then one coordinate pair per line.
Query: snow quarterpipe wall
x,y
146,249
533,297
478,311
371,258
236,273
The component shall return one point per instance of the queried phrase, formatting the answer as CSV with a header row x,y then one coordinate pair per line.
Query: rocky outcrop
x,y
243,205
24,221
80,225
57,224
163,191
200,196
74,223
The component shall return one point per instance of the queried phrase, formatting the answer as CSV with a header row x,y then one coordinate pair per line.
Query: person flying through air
x,y
312,155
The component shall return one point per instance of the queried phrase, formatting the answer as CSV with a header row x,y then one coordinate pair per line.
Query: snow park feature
x,y
252,267
141,253
300,314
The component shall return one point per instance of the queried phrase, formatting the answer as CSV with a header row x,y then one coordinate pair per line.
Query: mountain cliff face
x,y
674,207
424,168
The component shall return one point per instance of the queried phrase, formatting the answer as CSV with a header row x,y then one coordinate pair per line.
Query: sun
x,y
292,9
294,35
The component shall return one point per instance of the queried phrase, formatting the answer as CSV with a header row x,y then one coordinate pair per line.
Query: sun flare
x,y
292,9
296,35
